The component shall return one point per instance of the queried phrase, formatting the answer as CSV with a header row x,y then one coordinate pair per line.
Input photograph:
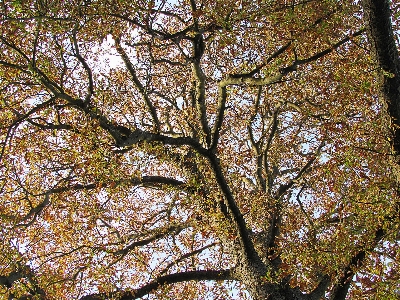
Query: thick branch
x,y
148,181
257,145
239,79
159,34
140,135
200,85
245,240
341,289
329,50
27,273
250,81
9,279
319,292
166,279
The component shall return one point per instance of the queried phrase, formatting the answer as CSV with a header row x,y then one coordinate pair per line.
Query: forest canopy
x,y
197,149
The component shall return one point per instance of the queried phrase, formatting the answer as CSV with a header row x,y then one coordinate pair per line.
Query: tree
x,y
199,149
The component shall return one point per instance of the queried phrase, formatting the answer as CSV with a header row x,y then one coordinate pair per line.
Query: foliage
x,y
193,149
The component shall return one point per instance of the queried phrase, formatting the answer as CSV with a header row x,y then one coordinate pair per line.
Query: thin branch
x,y
23,68
21,118
279,52
302,206
160,233
276,219
220,116
84,64
146,181
32,69
137,82
35,211
35,43
257,69
273,131
168,13
51,126
284,188
15,48
187,255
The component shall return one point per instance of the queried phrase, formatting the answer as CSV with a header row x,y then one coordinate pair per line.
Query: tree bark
x,y
377,18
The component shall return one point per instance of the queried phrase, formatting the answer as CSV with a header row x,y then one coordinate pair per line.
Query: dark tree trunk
x,y
377,17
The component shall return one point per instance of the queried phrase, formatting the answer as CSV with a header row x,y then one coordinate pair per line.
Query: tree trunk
x,y
377,17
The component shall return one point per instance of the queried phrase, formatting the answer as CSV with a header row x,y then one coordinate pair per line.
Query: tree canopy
x,y
197,149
